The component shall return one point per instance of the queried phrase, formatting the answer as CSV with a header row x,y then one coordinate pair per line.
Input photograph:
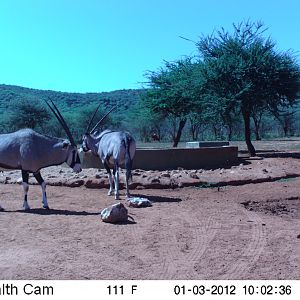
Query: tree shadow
x,y
157,198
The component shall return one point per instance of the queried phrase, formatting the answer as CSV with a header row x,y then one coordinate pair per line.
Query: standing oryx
x,y
113,148
29,151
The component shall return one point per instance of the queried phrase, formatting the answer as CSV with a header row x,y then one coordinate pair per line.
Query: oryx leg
x,y
42,183
127,184
25,177
109,177
116,179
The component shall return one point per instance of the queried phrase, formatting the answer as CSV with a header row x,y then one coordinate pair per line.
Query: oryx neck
x,y
103,133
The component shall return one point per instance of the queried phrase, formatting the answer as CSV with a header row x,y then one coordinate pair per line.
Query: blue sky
x,y
97,45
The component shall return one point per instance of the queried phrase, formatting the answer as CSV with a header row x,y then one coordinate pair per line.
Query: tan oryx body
x,y
29,151
114,149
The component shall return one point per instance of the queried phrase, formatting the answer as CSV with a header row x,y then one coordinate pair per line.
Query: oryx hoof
x,y
117,197
46,206
109,193
1,208
26,208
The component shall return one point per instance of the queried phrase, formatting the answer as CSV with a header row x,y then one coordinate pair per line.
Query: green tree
x,y
142,121
28,113
171,93
246,72
286,120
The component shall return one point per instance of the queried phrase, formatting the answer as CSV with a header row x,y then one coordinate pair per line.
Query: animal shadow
x,y
158,198
65,212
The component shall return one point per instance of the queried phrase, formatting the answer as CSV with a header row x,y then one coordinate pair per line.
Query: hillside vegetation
x,y
67,101
77,109
25,107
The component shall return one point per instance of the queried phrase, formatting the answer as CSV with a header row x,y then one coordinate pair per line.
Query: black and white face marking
x,y
73,161
85,146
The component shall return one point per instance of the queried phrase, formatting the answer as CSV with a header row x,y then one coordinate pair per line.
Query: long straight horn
x,y
61,120
103,119
91,120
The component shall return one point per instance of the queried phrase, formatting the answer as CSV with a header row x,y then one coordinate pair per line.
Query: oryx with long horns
x,y
114,148
29,151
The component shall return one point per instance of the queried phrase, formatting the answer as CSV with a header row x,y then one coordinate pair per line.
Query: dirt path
x,y
234,232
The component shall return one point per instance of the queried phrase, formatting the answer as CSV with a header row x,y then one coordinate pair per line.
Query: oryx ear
x,y
65,144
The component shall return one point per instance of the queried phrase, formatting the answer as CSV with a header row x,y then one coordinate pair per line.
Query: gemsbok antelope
x,y
114,148
29,151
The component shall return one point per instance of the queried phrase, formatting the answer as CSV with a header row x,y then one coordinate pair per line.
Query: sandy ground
x,y
247,228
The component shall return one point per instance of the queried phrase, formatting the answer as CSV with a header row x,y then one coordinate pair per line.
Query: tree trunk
x,y
215,132
193,132
246,116
285,129
179,132
257,136
256,127
229,136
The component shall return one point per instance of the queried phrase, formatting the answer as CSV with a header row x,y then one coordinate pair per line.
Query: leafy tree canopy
x,y
245,72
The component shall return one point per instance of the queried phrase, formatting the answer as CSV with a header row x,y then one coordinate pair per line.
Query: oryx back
x,y
112,146
28,150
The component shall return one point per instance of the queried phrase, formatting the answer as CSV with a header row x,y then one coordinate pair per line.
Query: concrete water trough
x,y
173,158
205,144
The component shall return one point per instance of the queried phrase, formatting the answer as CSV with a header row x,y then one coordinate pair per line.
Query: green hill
x,y
23,107
77,109
67,101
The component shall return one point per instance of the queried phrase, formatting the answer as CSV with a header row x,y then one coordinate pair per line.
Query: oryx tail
x,y
128,160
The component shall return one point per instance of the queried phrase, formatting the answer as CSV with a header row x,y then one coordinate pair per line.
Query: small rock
x,y
135,173
139,202
155,180
114,213
194,176
165,175
94,184
140,187
74,183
